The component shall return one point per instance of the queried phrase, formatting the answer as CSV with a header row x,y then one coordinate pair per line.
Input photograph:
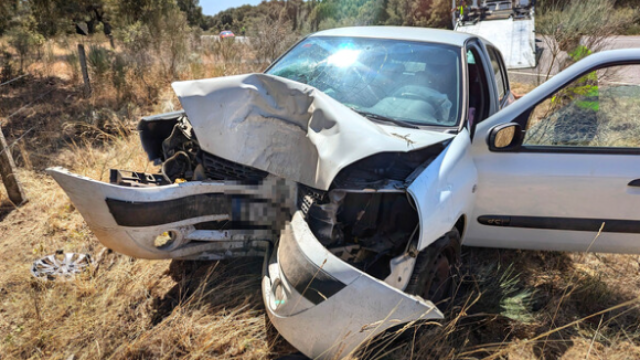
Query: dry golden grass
x,y
125,308
510,304
521,88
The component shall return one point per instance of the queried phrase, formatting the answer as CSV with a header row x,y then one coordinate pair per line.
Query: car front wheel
x,y
434,276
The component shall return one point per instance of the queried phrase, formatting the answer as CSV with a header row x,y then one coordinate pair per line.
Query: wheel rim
x,y
439,280
60,266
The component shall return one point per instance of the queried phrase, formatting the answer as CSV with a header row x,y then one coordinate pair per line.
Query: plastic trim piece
x,y
143,213
315,284
561,223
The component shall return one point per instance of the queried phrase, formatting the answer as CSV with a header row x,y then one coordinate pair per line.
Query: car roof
x,y
401,33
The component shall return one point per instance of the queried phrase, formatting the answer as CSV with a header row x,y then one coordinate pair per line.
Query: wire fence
x,y
22,108
14,79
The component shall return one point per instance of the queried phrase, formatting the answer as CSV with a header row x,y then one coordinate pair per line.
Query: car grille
x,y
217,168
307,197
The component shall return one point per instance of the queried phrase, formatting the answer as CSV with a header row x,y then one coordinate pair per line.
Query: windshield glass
x,y
413,82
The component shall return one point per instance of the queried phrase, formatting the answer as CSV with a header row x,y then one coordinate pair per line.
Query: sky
x,y
212,7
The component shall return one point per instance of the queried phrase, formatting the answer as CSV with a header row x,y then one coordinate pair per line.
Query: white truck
x,y
509,25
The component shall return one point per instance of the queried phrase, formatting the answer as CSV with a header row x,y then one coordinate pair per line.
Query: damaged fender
x,y
445,190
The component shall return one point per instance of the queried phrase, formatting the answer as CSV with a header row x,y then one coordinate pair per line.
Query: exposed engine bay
x,y
366,218
339,205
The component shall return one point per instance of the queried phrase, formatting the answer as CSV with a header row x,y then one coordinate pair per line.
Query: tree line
x,y
54,17
314,15
48,18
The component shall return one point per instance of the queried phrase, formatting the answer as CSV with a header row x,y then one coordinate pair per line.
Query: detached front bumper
x,y
322,305
175,220
325,307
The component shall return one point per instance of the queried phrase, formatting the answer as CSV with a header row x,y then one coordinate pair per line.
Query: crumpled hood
x,y
286,128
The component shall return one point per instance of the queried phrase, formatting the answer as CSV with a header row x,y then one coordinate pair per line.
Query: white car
x,y
362,160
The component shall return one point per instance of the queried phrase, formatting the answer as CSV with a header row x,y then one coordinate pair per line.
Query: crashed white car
x,y
361,161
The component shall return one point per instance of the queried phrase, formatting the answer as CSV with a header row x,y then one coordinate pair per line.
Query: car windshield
x,y
410,82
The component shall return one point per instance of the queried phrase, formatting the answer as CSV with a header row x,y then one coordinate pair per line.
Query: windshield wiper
x,y
384,118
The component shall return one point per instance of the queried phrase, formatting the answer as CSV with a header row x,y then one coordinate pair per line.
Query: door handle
x,y
634,183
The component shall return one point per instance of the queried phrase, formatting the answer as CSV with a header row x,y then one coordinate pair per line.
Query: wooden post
x,y
7,170
85,74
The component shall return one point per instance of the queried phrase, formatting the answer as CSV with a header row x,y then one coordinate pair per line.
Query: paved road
x,y
538,74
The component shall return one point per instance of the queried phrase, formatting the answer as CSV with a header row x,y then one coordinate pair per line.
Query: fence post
x,y
7,170
85,73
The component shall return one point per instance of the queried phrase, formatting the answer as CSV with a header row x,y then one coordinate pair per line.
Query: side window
x,y
497,72
479,100
598,110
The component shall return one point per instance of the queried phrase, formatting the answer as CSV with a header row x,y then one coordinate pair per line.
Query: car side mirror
x,y
505,137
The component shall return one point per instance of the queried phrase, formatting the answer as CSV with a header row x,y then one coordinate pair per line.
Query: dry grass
x,y
510,304
126,308
521,88
534,305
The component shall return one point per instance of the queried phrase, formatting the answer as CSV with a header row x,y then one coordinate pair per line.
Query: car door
x,y
499,73
570,168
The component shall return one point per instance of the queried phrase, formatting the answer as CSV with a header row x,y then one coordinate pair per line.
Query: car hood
x,y
286,128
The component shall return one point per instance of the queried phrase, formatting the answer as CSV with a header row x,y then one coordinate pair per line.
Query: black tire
x,y
434,276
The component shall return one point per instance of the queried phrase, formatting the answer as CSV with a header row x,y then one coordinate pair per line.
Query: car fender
x,y
445,190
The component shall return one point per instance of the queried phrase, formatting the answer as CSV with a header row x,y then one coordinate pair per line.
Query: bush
x,y
24,41
271,38
119,71
74,64
228,49
590,23
6,63
98,60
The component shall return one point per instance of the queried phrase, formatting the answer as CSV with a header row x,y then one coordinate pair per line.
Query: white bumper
x,y
325,307
128,220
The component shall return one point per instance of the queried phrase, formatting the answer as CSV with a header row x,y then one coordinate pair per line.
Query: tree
x,y
430,13
8,9
588,23
193,12
24,39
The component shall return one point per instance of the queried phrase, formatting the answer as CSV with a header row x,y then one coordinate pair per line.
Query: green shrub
x,y
119,70
24,41
74,63
98,60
